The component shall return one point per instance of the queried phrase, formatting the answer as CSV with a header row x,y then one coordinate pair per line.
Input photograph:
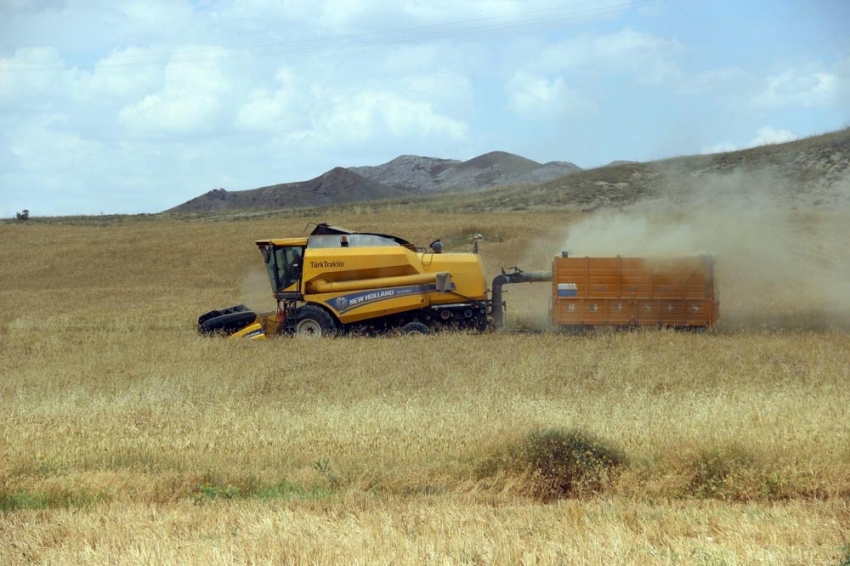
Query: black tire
x,y
313,322
415,328
226,324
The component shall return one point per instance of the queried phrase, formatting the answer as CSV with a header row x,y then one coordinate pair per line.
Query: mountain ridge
x,y
400,177
812,171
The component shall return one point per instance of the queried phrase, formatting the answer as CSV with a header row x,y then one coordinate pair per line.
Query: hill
x,y
494,169
337,186
811,172
410,172
396,179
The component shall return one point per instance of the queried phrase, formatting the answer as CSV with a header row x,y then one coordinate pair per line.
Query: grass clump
x,y
211,491
572,462
26,499
721,473
557,464
845,555
212,487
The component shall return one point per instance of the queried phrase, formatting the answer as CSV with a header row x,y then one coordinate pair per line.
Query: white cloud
x,y
189,101
440,9
796,87
29,71
768,135
442,87
39,73
460,17
154,97
405,117
266,110
720,80
358,116
764,136
648,58
122,74
538,97
157,16
305,108
842,72
44,143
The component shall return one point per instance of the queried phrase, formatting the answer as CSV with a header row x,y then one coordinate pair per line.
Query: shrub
x,y
558,463
713,472
573,462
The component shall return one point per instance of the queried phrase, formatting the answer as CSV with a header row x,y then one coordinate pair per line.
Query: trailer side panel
x,y
623,291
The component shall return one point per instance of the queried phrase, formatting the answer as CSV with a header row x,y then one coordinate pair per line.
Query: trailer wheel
x,y
415,328
313,322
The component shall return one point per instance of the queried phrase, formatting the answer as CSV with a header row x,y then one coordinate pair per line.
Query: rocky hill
x,y
401,177
806,173
337,186
809,172
409,172
494,169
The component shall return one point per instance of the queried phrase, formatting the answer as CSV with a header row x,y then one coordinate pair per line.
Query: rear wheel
x,y
313,322
415,328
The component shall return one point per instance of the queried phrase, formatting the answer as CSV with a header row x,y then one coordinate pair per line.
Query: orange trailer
x,y
623,291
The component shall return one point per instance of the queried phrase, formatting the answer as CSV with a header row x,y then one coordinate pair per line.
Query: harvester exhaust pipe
x,y
516,276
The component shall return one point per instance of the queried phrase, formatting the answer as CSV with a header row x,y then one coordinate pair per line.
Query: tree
x,y
23,215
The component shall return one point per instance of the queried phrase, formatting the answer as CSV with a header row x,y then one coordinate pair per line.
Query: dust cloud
x,y
779,264
256,293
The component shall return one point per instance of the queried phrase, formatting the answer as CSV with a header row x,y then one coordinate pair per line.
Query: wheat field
x,y
126,438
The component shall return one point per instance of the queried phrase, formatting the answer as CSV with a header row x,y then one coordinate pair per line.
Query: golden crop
x,y
127,438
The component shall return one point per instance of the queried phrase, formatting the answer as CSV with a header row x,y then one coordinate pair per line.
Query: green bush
x,y
573,462
559,463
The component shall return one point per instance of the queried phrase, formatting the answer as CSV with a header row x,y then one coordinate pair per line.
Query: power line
x,y
469,27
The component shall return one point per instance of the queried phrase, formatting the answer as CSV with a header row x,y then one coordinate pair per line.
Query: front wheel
x,y
313,322
415,328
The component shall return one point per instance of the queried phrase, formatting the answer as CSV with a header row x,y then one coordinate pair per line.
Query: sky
x,y
112,107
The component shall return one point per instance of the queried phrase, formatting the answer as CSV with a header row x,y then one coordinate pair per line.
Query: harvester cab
x,y
284,261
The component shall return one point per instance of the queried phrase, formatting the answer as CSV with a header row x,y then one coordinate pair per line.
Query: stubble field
x,y
126,438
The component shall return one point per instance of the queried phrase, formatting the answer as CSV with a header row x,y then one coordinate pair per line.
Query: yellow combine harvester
x,y
338,280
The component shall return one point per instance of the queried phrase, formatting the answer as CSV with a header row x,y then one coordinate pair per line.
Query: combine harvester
x,y
338,281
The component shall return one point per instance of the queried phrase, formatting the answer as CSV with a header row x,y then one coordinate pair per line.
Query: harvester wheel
x,y
415,328
313,321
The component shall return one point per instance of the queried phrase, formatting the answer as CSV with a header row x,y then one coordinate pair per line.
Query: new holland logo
x,y
373,296
345,303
